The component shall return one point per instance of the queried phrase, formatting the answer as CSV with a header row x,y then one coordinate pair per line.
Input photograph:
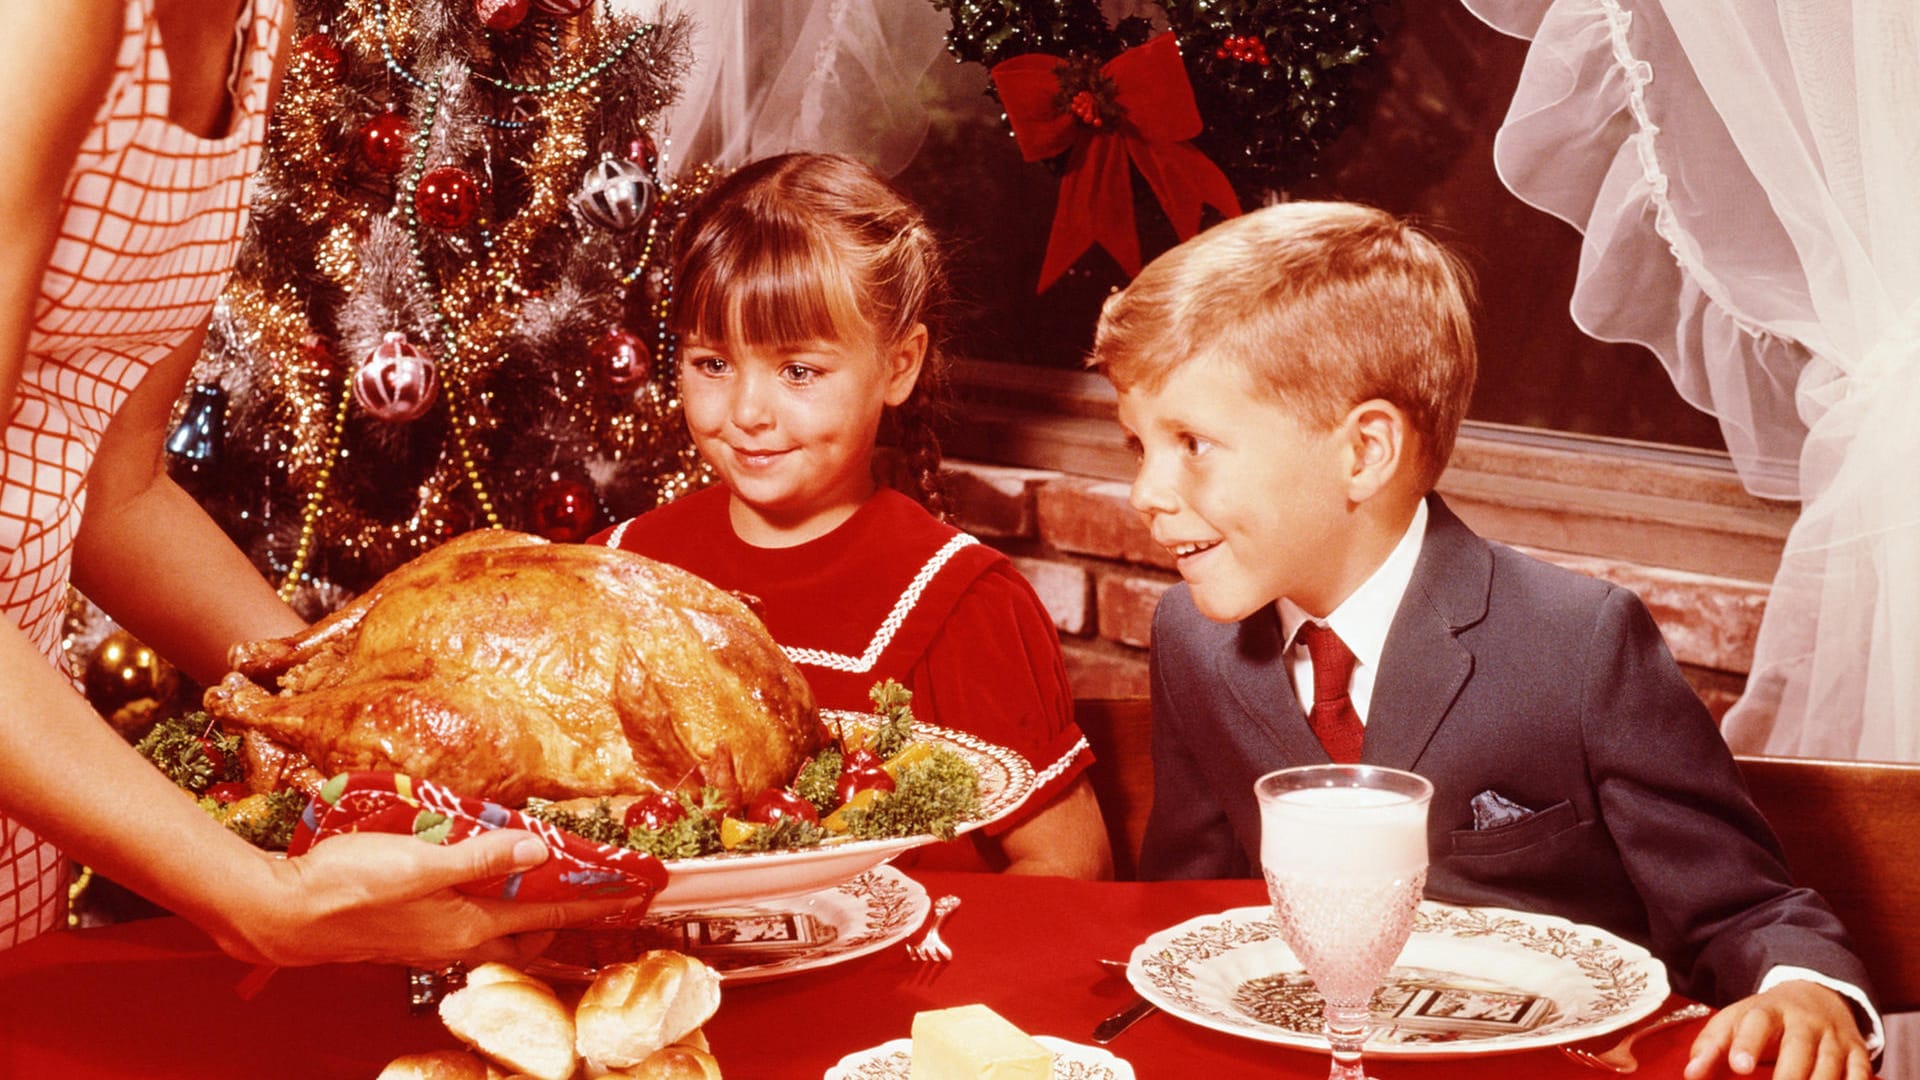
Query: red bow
x,y
1140,109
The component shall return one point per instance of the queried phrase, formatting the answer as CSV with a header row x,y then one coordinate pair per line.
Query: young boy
x,y
1293,380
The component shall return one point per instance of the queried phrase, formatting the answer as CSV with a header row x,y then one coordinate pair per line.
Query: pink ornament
x,y
448,198
562,9
621,358
396,382
500,14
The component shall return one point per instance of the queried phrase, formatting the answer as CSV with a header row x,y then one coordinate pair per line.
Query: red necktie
x,y
1333,717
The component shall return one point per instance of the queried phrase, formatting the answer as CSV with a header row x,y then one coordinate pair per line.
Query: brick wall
x,y
1091,560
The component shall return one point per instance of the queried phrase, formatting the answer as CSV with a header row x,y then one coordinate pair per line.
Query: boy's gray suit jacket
x,y
1555,690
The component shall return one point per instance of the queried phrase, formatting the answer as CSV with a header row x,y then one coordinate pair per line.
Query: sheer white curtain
x,y
1747,177
770,76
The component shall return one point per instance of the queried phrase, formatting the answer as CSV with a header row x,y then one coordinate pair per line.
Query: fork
x,y
1619,1057
930,947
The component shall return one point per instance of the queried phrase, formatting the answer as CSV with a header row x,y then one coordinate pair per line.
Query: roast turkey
x,y
508,667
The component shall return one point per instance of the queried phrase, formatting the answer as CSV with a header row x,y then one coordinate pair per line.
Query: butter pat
x,y
972,1042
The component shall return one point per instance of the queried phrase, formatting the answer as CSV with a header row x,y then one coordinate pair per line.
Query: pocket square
x,y
1492,810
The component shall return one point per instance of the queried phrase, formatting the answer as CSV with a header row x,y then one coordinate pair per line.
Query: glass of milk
x,y
1344,848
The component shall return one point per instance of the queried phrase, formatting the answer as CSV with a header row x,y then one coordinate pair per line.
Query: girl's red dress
x,y
895,593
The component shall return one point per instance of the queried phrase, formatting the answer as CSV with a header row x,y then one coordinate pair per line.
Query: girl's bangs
x,y
769,295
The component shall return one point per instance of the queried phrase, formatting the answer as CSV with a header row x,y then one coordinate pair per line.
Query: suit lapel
x,y
1255,671
1424,665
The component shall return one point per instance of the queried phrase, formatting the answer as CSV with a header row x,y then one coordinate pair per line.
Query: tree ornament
x,y
396,382
621,358
195,445
645,151
383,142
500,14
616,194
323,53
447,198
122,671
562,9
564,511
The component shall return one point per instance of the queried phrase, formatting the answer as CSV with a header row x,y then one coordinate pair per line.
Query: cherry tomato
x,y
212,750
775,803
655,811
854,781
228,792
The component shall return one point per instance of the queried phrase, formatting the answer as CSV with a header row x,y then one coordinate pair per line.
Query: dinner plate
x,y
1470,981
894,1061
731,879
767,941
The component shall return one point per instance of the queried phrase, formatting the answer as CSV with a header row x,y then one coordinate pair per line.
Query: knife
x,y
1105,1030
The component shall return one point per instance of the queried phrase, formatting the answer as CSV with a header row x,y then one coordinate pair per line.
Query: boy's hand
x,y
1807,1029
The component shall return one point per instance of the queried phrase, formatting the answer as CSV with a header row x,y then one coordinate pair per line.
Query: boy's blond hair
x,y
1322,304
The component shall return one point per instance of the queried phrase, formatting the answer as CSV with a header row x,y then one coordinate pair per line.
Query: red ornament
x,y
500,14
320,50
562,9
383,142
565,511
319,357
643,150
396,382
448,198
621,358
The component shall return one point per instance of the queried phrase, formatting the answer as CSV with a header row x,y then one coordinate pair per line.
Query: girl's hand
x,y
384,897
1808,1029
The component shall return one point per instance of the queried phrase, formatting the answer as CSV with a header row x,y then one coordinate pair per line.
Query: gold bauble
x,y
122,670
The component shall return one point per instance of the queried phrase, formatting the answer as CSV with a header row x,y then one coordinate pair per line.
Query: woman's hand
x,y
384,897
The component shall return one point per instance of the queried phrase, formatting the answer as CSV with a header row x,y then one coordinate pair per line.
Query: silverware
x,y
1105,1031
929,945
1619,1057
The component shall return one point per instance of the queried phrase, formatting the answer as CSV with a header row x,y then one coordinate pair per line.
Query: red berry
x,y
775,803
228,792
655,811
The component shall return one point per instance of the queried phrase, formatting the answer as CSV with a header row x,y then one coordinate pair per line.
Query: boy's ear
x,y
1379,442
903,364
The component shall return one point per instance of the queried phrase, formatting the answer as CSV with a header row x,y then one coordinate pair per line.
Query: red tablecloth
x,y
154,999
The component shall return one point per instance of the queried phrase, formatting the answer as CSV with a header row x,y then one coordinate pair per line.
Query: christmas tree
x,y
449,312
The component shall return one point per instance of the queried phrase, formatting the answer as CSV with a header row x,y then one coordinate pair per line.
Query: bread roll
x,y
440,1065
633,1010
676,1062
514,1019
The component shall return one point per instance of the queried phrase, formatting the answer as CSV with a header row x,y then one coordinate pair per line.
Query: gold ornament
x,y
123,671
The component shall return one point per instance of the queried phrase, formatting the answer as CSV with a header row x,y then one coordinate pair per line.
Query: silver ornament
x,y
617,194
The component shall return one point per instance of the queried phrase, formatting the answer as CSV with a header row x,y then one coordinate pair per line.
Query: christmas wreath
x,y
1218,102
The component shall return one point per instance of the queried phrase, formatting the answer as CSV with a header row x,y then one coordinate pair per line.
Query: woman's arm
x,y
60,61
152,558
1067,837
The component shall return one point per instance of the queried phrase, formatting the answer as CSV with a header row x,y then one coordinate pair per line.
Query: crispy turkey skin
x,y
508,667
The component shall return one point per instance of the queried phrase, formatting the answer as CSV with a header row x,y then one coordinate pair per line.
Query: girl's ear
x,y
1378,439
903,364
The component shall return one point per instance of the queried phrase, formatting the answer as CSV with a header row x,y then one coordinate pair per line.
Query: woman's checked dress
x,y
153,216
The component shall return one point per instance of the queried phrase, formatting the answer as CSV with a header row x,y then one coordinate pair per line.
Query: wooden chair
x,y
1122,772
1851,830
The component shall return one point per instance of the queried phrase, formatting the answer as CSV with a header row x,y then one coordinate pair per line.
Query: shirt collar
x,y
1363,618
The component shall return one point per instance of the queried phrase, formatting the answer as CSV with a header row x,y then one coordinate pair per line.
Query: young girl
x,y
804,288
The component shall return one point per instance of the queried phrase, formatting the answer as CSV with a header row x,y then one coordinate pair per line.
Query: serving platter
x,y
1470,981
711,881
580,868
753,944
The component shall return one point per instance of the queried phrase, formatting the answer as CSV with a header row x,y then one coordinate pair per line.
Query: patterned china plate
x,y
749,944
894,1061
727,880
1470,981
